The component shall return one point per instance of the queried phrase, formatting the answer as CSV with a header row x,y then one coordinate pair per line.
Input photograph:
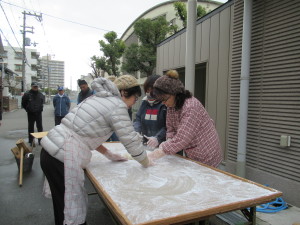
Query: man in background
x,y
85,91
61,103
0,113
33,103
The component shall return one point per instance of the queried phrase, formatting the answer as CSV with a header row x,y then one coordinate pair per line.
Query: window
x,y
35,55
18,55
4,55
33,67
18,67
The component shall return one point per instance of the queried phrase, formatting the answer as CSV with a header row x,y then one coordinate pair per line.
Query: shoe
x,y
31,144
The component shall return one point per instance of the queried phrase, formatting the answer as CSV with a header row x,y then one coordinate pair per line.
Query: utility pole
x,y
39,17
2,53
48,69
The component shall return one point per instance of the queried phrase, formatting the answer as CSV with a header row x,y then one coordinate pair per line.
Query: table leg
x,y
250,215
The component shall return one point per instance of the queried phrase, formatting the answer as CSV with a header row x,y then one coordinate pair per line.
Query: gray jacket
x,y
93,121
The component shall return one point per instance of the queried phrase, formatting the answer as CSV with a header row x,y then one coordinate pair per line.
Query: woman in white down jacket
x,y
67,147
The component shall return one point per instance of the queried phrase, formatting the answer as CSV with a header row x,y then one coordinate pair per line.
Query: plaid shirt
x,y
192,130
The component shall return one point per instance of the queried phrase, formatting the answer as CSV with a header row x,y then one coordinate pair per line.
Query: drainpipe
x,y
244,89
190,53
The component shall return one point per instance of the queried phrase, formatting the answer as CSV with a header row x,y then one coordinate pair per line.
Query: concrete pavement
x,y
26,205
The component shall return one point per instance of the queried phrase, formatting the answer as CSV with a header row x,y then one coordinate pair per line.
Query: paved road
x,y
26,205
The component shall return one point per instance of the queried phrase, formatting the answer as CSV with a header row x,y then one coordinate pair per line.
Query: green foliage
x,y
52,91
143,57
201,11
112,51
181,12
96,71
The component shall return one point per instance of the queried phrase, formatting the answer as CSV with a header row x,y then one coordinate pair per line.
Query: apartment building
x,y
52,72
12,58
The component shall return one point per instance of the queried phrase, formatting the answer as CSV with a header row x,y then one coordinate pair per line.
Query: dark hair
x,y
179,98
150,82
80,82
132,91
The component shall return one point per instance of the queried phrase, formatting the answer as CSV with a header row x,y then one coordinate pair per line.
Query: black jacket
x,y
84,95
33,101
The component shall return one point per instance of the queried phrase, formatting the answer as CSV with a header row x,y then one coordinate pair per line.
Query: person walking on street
x,y
61,103
33,103
85,91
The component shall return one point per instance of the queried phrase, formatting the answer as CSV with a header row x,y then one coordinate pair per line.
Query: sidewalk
x,y
288,216
285,217
26,205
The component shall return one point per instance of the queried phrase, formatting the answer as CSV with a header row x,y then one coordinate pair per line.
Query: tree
x,y
142,57
12,83
96,71
112,51
181,11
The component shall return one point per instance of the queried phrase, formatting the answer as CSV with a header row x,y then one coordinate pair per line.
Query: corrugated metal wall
x,y
274,95
235,74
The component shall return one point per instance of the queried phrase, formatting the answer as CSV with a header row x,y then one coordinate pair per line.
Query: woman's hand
x,y
152,142
156,154
110,155
146,162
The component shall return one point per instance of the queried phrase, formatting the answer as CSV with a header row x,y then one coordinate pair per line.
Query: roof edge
x,y
160,4
200,20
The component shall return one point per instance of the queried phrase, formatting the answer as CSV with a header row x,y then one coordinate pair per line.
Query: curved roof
x,y
162,4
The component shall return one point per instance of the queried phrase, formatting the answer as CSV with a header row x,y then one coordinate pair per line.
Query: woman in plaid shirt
x,y
189,127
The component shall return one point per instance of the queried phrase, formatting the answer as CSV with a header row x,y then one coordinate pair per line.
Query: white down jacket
x,y
83,129
94,120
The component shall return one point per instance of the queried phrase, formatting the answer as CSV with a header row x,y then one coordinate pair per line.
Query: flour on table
x,y
171,187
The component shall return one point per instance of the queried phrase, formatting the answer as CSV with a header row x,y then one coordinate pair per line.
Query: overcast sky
x,y
60,33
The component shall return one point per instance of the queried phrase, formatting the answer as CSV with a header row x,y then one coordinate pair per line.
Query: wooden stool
x,y
37,135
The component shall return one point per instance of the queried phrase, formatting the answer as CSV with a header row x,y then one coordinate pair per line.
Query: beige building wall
x,y
274,93
213,46
274,106
164,9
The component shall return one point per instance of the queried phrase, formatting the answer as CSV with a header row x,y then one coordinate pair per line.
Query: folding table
x,y
175,190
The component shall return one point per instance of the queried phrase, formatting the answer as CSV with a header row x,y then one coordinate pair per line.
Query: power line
x,y
12,46
49,46
59,18
10,25
14,36
8,41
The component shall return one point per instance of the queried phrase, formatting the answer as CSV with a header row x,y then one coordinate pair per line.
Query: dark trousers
x,y
54,172
58,119
32,118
